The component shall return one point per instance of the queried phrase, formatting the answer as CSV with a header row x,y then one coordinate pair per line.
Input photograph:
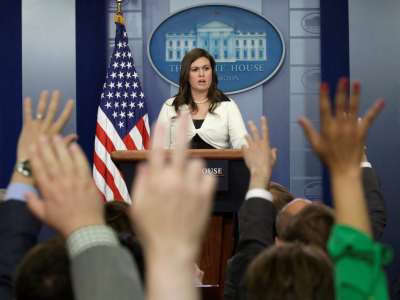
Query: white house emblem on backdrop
x,y
247,47
220,40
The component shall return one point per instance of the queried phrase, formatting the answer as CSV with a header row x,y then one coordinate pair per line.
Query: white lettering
x,y
228,78
211,171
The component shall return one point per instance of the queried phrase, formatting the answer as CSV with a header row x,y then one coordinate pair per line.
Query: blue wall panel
x,y
91,67
334,56
10,87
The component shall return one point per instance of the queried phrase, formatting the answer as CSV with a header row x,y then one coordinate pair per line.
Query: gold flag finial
x,y
119,15
119,5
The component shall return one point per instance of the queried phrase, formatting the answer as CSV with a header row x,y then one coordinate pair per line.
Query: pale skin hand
x,y
34,128
199,274
70,197
171,205
340,145
260,159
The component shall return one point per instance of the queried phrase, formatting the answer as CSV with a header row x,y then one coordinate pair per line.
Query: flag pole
x,y
119,5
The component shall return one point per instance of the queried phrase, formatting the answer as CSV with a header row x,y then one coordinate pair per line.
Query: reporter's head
x,y
44,273
116,214
312,225
288,271
287,212
281,195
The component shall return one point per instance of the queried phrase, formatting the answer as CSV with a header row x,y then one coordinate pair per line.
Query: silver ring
x,y
39,117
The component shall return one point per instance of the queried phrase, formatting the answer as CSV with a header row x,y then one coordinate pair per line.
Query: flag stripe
x,y
114,179
107,177
144,133
137,138
129,143
106,142
104,139
102,185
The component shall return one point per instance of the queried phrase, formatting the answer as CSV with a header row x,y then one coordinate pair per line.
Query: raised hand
x,y
340,145
70,197
259,157
171,203
44,123
171,200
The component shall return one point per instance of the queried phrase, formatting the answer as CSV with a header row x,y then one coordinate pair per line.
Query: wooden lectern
x,y
218,242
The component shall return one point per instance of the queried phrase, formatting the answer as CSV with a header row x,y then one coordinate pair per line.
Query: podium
x,y
218,242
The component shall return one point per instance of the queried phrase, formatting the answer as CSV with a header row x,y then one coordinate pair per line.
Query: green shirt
x,y
358,262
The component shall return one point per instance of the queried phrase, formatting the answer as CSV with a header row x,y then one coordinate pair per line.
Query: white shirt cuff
x,y
366,164
259,193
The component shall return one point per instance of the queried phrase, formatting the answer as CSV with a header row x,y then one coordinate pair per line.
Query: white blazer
x,y
227,122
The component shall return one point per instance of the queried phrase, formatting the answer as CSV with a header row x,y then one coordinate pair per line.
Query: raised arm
x,y
257,214
71,204
171,205
340,145
18,227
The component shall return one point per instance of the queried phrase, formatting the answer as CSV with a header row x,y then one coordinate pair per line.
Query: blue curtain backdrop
x,y
335,61
91,67
10,87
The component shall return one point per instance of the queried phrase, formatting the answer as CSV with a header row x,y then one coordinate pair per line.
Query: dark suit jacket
x,y
254,237
18,233
256,233
375,201
98,273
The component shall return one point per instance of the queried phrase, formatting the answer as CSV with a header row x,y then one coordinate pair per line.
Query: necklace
x,y
200,102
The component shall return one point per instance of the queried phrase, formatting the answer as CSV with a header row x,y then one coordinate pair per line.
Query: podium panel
x,y
218,241
225,201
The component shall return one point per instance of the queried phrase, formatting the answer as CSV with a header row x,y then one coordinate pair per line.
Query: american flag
x,y
122,120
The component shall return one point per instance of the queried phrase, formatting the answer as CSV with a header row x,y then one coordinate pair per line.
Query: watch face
x,y
24,167
27,166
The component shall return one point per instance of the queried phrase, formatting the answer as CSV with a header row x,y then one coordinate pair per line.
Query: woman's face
x,y
200,75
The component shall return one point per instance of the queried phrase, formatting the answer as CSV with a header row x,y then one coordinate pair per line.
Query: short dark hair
x,y
282,195
43,273
184,95
289,271
312,225
282,220
117,216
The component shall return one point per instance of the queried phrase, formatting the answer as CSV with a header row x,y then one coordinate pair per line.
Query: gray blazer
x,y
104,273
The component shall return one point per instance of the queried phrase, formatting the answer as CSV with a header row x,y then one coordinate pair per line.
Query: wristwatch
x,y
24,167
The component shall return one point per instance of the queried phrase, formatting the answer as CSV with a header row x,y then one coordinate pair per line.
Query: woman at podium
x,y
216,118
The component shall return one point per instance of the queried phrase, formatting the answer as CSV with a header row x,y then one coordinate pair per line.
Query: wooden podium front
x,y
218,242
